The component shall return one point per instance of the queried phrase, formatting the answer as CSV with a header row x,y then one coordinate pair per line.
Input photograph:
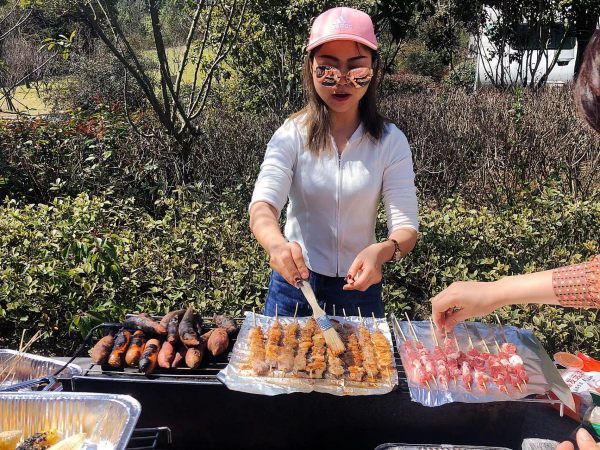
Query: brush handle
x,y
310,296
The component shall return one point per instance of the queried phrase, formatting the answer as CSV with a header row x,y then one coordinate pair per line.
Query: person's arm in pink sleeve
x,y
575,286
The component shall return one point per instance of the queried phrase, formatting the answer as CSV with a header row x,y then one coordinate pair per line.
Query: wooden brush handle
x,y
310,296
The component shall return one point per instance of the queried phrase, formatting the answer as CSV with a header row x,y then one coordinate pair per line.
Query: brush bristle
x,y
334,342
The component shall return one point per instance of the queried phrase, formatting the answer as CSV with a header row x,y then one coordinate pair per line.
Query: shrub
x,y
425,62
408,83
75,262
462,77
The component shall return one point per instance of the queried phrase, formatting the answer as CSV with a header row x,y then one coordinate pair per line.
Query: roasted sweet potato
x,y
218,341
194,355
136,348
117,357
144,323
198,324
173,330
180,355
167,317
102,349
150,356
227,323
187,333
166,355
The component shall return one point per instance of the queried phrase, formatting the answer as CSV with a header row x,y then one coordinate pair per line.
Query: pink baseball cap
x,y
342,24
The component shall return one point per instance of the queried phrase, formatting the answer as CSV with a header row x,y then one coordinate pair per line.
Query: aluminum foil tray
x,y
108,420
433,447
31,367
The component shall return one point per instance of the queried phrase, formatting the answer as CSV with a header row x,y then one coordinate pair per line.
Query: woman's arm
x,y
475,299
371,259
285,257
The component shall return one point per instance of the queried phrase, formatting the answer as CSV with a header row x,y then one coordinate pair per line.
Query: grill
x,y
203,413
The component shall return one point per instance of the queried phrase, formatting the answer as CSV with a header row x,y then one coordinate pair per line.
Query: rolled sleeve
x,y
277,170
399,191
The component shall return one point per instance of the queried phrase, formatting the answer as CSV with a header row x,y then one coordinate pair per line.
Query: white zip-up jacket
x,y
333,198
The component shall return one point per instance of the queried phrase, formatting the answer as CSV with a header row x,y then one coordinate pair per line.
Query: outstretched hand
x,y
585,441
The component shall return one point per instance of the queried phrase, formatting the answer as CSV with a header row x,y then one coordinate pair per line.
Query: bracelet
x,y
397,252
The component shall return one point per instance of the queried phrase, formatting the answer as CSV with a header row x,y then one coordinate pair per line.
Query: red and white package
x,y
580,381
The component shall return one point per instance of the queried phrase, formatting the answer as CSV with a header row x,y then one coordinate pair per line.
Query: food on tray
x,y
102,349
150,356
285,360
256,361
166,355
218,341
187,331
144,323
136,348
117,357
167,317
71,443
369,354
306,343
227,323
194,355
179,359
173,330
39,441
9,439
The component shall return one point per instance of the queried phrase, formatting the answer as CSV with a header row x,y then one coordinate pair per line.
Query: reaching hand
x,y
368,263
472,299
287,259
585,441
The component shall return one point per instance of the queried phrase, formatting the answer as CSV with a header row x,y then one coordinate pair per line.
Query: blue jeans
x,y
328,290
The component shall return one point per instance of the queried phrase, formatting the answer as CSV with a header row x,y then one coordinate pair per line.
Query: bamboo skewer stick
x,y
468,335
433,332
345,316
296,312
493,337
333,310
360,315
411,327
400,328
487,349
501,328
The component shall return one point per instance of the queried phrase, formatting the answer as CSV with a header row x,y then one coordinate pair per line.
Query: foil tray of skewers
x,y
282,355
477,362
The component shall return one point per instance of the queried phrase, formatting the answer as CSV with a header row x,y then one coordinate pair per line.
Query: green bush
x,y
75,262
462,77
425,62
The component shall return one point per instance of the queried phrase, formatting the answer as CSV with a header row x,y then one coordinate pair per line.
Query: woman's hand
x,y
287,260
473,299
368,263
585,441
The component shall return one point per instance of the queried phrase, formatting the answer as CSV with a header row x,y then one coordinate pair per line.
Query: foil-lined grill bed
x,y
108,420
235,376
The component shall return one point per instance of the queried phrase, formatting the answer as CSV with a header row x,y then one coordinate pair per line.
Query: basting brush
x,y
333,340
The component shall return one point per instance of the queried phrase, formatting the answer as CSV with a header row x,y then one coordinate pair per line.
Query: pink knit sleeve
x,y
577,285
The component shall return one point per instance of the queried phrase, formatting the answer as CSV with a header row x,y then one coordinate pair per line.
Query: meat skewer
x,y
353,357
257,349
304,345
515,361
414,362
464,366
368,350
425,359
382,348
272,346
440,359
285,360
317,364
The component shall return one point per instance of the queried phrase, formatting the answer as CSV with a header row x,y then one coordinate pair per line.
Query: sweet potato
x,y
194,355
136,348
167,317
218,341
150,356
102,349
166,355
227,323
187,333
117,357
145,323
180,355
173,330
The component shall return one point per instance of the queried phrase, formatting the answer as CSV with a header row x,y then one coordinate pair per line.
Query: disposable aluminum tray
x,y
108,420
30,367
433,447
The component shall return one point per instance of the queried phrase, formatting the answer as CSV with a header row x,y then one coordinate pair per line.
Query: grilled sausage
x,y
102,349
194,355
186,329
218,341
180,355
166,355
144,323
150,356
138,341
227,323
167,317
117,357
173,330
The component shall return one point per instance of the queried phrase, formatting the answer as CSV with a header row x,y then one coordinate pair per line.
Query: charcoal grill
x,y
203,413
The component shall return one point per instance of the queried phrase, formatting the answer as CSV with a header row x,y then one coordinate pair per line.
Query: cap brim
x,y
341,37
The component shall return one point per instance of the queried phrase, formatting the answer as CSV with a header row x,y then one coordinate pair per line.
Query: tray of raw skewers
x,y
476,362
280,355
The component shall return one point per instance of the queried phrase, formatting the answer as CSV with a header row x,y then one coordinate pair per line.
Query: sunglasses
x,y
330,76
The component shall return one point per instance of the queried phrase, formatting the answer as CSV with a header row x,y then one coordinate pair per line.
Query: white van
x,y
517,70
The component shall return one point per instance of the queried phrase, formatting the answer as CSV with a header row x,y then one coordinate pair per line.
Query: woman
x,y
334,160
576,286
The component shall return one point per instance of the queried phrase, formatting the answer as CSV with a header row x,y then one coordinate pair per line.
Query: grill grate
x,y
149,438
205,374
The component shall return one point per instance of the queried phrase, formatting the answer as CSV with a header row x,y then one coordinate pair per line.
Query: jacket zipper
x,y
337,216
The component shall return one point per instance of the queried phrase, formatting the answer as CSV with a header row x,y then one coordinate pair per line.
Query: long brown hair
x,y
587,89
318,120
